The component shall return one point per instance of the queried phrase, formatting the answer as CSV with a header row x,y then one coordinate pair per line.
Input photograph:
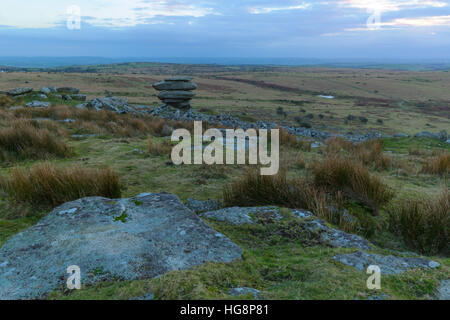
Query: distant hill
x,y
101,64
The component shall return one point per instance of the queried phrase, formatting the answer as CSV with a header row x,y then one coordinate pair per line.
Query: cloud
x,y
391,5
419,22
265,10
100,13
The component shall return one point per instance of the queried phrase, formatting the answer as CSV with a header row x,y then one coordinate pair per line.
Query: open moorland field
x,y
405,101
392,191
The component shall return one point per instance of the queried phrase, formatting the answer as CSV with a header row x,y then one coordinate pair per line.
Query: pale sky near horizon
x,y
383,29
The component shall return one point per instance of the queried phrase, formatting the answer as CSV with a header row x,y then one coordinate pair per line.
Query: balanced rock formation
x,y
126,239
176,92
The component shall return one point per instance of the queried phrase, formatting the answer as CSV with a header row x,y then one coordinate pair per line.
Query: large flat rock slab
x,y
328,235
389,265
127,239
444,290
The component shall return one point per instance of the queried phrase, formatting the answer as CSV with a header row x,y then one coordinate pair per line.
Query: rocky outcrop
x,y
202,206
77,97
125,239
244,291
68,90
114,104
388,264
19,91
38,104
327,235
176,92
45,90
444,290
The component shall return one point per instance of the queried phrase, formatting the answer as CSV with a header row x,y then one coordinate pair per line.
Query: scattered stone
x,y
79,97
240,216
82,106
176,92
58,96
401,135
316,145
42,96
388,264
52,89
426,134
125,239
68,120
244,291
202,206
443,135
67,97
302,214
20,91
114,104
444,290
336,238
45,90
84,136
38,104
68,90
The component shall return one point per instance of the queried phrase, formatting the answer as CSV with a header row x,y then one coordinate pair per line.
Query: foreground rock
x,y
38,104
236,292
444,290
20,91
202,206
125,239
388,264
176,92
327,235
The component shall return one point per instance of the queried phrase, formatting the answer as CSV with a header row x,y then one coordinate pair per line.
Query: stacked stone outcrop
x,y
176,92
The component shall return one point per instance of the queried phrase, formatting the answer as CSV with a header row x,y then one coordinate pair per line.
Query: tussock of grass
x,y
424,224
337,173
368,153
46,185
6,101
26,140
256,190
159,148
289,140
103,122
439,165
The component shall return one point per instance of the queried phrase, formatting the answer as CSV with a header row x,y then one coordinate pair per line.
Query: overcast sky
x,y
370,29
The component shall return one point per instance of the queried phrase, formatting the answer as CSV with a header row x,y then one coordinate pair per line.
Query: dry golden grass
x,y
255,190
289,140
26,140
424,224
159,148
6,101
336,173
46,185
439,165
368,153
102,122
